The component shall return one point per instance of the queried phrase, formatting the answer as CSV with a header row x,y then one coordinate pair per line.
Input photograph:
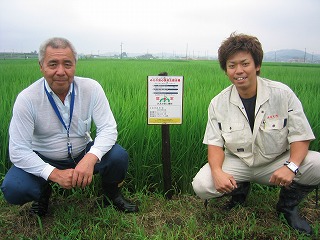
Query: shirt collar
x,y
262,93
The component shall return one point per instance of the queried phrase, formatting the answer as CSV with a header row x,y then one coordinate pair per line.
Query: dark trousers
x,y
20,187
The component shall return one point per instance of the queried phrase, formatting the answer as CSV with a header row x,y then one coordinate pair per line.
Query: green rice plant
x,y
125,83
14,76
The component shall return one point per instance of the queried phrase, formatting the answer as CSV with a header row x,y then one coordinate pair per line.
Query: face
x,y
58,69
241,71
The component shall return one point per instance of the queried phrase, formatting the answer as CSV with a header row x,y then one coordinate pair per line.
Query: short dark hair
x,y
240,42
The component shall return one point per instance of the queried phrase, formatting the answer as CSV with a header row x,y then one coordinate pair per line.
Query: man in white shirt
x,y
257,132
50,139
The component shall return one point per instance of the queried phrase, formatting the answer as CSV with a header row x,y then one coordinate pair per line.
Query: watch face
x,y
292,167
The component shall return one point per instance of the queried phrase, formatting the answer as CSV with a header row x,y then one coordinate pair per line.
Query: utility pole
x,y
187,52
121,50
305,53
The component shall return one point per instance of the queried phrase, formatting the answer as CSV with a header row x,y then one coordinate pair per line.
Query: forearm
x,y
106,126
298,151
90,159
284,176
215,158
223,181
27,160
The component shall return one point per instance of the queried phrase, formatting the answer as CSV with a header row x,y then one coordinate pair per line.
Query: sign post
x,y
165,108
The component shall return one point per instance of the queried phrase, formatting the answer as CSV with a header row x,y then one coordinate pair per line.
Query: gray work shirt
x,y
279,121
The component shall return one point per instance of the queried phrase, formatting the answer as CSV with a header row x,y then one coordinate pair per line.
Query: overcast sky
x,y
155,26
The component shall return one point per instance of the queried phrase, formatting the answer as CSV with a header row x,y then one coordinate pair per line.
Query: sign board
x,y
165,94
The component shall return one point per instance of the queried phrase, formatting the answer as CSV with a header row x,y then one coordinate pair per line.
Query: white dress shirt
x,y
36,127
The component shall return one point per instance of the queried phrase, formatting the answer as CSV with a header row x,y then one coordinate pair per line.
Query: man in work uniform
x,y
257,132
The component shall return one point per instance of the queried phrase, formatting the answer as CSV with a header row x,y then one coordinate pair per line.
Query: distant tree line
x,y
13,55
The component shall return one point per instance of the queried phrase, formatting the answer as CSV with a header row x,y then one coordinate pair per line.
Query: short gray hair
x,y
56,42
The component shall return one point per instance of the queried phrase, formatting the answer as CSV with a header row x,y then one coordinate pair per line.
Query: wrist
x,y
292,166
53,175
216,172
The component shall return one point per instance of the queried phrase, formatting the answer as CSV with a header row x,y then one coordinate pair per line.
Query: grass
x,y
77,215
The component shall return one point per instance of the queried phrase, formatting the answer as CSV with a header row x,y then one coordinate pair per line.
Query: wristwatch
x,y
292,166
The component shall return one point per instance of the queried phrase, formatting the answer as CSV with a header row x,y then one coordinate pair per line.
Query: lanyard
x,y
55,108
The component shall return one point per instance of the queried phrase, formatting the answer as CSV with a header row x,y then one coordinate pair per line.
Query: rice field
x,y
125,84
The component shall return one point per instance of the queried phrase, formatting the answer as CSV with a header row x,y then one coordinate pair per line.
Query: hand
x,y
224,182
83,172
62,177
282,177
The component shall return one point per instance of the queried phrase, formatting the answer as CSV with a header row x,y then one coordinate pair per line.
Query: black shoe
x,y
238,196
40,207
121,204
289,199
235,201
114,197
294,220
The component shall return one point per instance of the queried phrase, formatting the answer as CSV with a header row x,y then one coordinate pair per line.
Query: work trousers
x,y
20,187
309,173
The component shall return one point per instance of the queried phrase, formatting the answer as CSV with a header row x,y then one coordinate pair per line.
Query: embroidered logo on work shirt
x,y
273,116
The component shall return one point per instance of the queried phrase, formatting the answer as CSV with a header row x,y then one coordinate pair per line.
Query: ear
x,y
41,67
